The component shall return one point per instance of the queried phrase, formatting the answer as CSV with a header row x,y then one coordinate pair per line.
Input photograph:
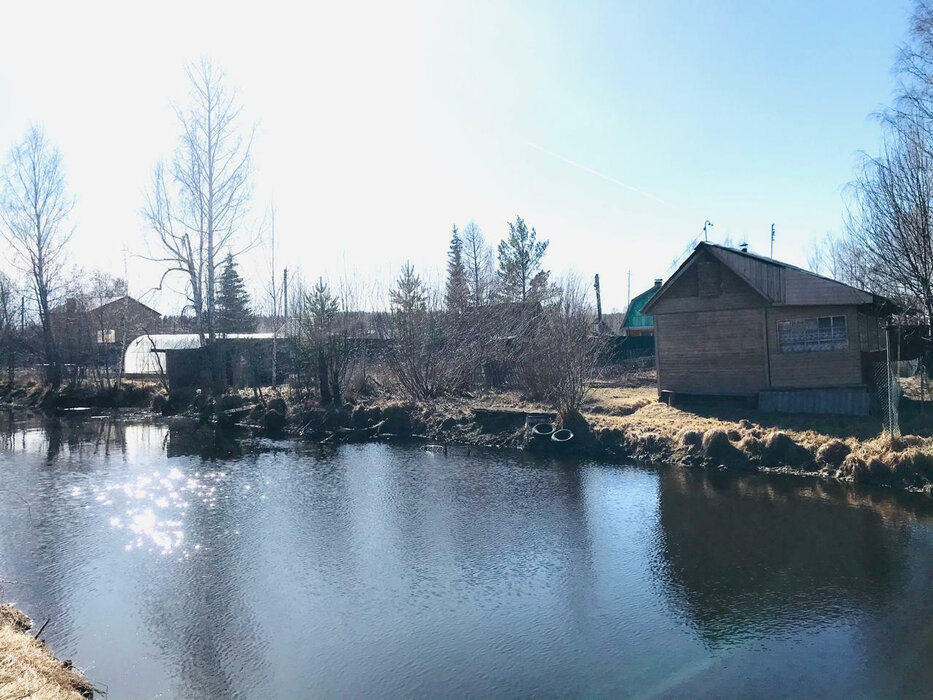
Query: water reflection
x,y
753,557
287,570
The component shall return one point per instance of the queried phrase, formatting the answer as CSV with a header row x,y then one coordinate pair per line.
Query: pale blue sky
x,y
615,128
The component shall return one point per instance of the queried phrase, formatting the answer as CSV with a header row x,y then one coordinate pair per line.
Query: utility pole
x,y
772,240
22,313
275,306
628,299
599,302
706,224
285,297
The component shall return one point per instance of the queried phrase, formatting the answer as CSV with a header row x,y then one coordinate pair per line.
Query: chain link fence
x,y
888,395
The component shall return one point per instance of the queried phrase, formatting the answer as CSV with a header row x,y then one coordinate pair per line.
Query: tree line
x,y
485,326
886,245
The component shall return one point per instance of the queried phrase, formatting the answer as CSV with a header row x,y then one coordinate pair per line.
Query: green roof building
x,y
635,322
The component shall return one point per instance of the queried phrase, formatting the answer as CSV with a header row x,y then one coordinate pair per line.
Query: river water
x,y
172,566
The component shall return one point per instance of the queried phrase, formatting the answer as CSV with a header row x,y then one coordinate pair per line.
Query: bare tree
x,y
104,289
891,214
426,354
477,259
274,296
842,258
197,209
558,356
8,334
33,210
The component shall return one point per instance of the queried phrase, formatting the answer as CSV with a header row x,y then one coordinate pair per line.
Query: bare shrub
x,y
330,342
558,359
427,350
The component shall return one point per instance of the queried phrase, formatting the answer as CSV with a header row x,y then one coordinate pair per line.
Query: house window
x,y
813,334
108,336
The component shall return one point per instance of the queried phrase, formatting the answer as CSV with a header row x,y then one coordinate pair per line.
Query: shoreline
x,y
617,423
29,669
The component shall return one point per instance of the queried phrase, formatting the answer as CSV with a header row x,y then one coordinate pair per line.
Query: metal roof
x,y
777,282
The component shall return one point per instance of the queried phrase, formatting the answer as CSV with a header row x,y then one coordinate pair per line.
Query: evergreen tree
x,y
233,312
323,307
458,289
409,294
520,275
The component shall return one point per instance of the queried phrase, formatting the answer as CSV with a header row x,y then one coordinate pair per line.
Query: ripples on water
x,y
287,570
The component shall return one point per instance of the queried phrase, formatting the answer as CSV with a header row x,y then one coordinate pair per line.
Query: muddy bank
x,y
35,396
27,667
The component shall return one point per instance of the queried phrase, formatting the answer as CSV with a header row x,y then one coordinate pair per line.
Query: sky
x,y
614,128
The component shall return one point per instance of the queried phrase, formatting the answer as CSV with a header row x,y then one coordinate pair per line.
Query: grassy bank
x,y
626,421
28,669
622,419
840,447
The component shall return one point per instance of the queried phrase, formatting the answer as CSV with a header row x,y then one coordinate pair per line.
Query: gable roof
x,y
637,306
114,300
778,283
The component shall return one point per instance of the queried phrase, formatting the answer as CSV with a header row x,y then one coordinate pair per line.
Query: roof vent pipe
x,y
743,247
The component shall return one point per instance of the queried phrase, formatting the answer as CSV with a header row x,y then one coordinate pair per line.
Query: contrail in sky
x,y
596,173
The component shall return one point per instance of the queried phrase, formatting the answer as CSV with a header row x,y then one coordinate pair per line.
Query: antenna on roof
x,y
772,240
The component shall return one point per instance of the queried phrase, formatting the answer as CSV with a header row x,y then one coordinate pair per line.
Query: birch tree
x,y
891,219
34,207
477,260
195,207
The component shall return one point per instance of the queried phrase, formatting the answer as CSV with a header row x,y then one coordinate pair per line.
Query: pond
x,y
175,566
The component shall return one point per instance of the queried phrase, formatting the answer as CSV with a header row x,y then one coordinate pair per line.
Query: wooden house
x,y
636,322
94,333
731,323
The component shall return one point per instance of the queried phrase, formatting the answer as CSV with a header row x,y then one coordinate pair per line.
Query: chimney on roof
x,y
743,247
657,282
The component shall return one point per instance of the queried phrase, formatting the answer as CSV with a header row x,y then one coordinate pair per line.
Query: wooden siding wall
x,y
767,277
711,352
683,296
871,334
810,370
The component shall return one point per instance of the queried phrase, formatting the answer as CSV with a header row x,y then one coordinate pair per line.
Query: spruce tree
x,y
520,275
458,289
323,308
233,312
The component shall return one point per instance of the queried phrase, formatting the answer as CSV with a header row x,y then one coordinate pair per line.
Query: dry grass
x,y
27,669
841,446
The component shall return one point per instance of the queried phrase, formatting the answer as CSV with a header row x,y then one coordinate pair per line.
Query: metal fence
x,y
888,394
